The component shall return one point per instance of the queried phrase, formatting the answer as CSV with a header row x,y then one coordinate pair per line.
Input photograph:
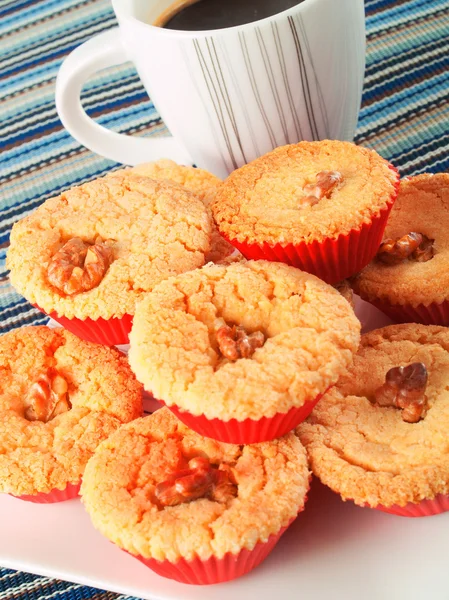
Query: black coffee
x,y
216,14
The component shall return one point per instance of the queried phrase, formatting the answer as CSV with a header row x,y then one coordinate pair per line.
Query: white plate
x,y
334,550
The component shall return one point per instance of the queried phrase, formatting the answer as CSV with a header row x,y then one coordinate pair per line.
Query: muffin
x,y
59,398
204,185
409,278
379,437
190,508
344,288
320,206
242,353
89,255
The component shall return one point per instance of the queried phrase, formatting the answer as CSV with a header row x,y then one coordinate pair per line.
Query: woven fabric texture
x,y
405,117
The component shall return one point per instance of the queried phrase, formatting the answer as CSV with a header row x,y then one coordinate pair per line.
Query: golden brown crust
x,y
366,452
204,185
422,206
103,392
311,329
160,229
261,201
119,483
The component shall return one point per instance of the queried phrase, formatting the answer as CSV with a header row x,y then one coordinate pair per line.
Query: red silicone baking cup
x,y
333,259
214,570
71,491
433,314
248,431
425,508
109,332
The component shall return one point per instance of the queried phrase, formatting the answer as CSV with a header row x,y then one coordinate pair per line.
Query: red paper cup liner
x,y
333,259
214,570
425,508
248,431
109,332
433,314
71,491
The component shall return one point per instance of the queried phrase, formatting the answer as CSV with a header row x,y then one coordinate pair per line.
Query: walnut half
x,y
234,342
200,480
47,397
412,246
405,388
79,266
326,181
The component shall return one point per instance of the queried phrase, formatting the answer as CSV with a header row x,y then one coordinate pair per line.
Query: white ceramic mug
x,y
227,95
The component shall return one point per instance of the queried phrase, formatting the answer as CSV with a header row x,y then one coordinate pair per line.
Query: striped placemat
x,y
405,117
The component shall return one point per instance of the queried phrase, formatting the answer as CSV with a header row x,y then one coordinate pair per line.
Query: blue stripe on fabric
x,y
400,46
15,7
376,37
404,116
437,166
33,318
61,135
13,303
50,123
32,12
19,306
24,198
415,51
429,144
126,77
38,72
49,192
37,42
406,75
47,17
392,142
420,90
414,8
375,5
61,51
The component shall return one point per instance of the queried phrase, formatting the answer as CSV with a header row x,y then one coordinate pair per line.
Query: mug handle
x,y
102,51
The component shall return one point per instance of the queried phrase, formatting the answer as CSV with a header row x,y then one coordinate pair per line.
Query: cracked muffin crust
x,y
204,185
310,334
422,206
155,229
263,201
368,453
39,451
118,491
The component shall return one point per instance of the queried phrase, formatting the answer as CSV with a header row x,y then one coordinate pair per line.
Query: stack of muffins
x,y
223,291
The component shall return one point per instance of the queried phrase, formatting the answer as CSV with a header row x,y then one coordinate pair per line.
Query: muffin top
x,y
136,232
248,492
283,197
59,398
422,207
301,335
204,185
369,452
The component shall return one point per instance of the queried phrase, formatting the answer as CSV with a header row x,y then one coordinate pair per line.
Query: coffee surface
x,y
217,14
